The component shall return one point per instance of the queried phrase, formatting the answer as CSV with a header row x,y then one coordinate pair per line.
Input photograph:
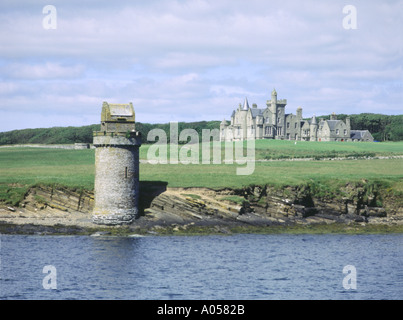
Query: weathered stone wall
x,y
116,184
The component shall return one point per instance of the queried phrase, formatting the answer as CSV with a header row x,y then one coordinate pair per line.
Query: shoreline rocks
x,y
51,210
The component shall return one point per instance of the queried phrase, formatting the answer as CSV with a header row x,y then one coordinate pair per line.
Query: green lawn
x,y
28,166
285,149
273,149
276,173
75,168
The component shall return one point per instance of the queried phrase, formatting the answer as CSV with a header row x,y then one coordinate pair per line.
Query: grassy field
x,y
285,149
22,167
277,149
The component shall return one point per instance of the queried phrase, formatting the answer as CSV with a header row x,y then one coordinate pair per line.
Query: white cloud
x,y
47,70
197,59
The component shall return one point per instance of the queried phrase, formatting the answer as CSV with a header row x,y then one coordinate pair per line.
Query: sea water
x,y
243,266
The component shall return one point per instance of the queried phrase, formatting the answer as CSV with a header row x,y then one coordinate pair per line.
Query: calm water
x,y
208,267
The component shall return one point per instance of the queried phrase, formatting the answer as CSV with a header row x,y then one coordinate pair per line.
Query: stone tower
x,y
116,166
273,104
313,129
223,128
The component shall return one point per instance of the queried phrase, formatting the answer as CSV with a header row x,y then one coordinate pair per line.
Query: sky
x,y
195,60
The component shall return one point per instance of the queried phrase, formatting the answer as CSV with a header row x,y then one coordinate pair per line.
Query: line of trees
x,y
382,127
70,135
55,135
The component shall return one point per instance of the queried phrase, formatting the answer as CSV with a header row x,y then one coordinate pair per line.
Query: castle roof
x,y
332,123
245,104
256,112
313,120
357,134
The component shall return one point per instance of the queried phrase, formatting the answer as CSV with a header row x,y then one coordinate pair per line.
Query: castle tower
x,y
348,125
273,105
313,129
116,166
223,129
299,113
243,119
245,104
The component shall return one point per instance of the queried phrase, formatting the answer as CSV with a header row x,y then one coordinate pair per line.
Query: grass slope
x,y
23,167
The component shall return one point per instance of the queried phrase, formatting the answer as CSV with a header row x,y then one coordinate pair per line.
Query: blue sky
x,y
196,60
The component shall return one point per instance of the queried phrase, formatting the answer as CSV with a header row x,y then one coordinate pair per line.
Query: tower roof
x,y
245,104
114,112
274,92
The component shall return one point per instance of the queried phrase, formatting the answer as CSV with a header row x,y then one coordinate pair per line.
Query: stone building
x,y
273,123
116,166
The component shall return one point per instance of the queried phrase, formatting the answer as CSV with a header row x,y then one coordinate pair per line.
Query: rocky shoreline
x,y
57,210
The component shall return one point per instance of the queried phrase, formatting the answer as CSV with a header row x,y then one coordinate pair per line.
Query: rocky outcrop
x,y
59,199
249,206
352,200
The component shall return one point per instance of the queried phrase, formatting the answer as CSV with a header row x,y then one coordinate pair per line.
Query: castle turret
x,y
242,118
223,128
273,101
245,105
348,128
313,129
116,166
348,123
299,113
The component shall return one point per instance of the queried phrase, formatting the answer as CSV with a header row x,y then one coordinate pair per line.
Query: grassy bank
x,y
75,168
24,167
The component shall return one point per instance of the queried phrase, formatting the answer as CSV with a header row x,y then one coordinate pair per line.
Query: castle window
x,y
295,125
268,130
337,131
126,172
288,125
345,132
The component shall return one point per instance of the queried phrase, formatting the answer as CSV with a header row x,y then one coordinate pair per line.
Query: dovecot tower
x,y
116,166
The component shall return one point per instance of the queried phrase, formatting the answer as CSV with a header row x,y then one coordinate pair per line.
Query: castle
x,y
273,123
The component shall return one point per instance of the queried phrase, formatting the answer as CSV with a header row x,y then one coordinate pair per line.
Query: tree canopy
x,y
382,128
